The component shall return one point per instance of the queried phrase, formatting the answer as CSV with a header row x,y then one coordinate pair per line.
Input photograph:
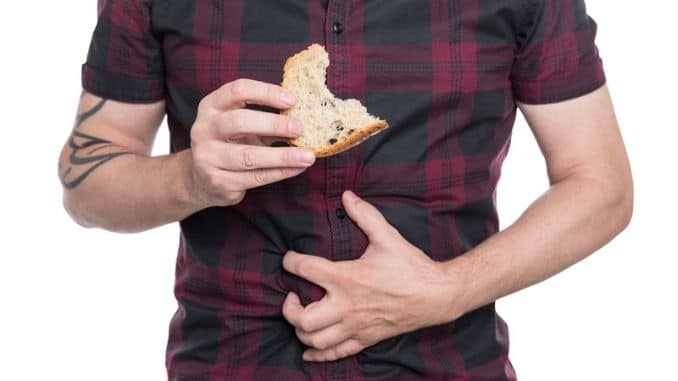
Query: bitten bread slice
x,y
331,125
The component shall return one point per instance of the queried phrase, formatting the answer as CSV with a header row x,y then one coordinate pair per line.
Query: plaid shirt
x,y
446,74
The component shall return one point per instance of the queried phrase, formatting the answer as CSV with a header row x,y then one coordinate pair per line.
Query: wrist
x,y
186,193
456,288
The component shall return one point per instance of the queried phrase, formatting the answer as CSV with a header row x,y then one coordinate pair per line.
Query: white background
x,y
79,304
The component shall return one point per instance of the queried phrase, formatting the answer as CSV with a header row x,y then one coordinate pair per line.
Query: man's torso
x,y
439,72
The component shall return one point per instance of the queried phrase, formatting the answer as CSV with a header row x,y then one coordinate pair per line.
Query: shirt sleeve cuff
x,y
586,78
121,87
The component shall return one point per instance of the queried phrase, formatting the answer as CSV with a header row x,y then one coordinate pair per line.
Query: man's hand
x,y
228,154
392,289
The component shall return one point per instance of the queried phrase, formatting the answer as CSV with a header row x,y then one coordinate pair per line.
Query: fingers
x,y
315,316
312,268
241,157
242,181
318,324
347,348
241,92
292,309
366,216
321,314
237,123
324,338
261,177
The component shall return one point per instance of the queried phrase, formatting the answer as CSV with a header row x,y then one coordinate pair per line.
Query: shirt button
x,y
341,214
337,27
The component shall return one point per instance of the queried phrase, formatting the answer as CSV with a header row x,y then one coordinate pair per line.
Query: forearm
x,y
132,193
571,220
110,182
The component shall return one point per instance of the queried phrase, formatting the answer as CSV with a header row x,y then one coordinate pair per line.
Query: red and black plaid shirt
x,y
446,74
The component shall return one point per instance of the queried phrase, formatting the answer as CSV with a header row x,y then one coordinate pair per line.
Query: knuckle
x,y
204,104
259,177
249,159
236,184
235,197
305,323
354,349
287,157
318,343
239,89
301,334
342,352
304,268
271,93
347,277
307,340
233,183
233,121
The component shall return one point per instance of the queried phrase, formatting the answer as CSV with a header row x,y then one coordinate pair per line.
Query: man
x,y
379,263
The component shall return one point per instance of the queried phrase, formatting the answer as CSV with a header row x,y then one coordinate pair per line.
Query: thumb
x,y
366,216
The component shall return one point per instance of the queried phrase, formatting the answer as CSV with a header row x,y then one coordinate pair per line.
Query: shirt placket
x,y
335,180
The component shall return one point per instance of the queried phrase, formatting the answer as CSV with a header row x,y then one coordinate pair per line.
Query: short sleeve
x,y
557,57
124,62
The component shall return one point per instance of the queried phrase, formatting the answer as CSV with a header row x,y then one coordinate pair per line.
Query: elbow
x,y
83,216
70,202
620,203
75,210
625,207
72,205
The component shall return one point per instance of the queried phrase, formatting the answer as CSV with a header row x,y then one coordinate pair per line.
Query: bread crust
x,y
352,140
359,135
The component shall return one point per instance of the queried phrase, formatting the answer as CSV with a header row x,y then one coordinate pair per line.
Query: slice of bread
x,y
331,125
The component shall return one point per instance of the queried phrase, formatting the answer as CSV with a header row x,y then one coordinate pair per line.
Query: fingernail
x,y
306,157
287,98
295,127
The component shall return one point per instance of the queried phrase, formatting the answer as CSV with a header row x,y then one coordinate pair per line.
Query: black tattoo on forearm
x,y
83,161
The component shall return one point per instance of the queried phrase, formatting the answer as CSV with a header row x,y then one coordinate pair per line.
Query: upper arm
x,y
104,130
558,82
124,66
580,136
130,126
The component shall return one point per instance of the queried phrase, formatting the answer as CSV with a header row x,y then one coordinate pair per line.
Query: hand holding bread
x,y
228,154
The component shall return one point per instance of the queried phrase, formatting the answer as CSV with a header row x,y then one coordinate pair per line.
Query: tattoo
x,y
83,161
89,113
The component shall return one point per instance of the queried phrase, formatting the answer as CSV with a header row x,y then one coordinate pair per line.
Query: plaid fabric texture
x,y
446,74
